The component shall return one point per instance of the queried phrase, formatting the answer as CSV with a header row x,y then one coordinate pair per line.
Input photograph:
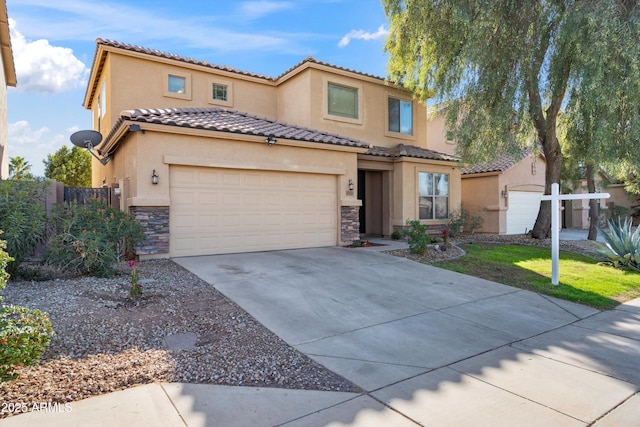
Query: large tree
x,y
72,167
507,69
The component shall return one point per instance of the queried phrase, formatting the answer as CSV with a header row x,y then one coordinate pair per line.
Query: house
x,y
505,192
7,78
211,159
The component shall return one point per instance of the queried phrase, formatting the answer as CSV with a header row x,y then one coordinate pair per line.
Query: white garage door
x,y
215,211
523,211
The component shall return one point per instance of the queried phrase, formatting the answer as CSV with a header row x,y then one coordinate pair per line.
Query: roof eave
x,y
5,47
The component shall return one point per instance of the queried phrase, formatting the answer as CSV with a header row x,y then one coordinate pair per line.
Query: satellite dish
x,y
89,139
86,138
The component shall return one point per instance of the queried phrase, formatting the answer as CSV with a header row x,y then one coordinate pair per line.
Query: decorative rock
x,y
183,341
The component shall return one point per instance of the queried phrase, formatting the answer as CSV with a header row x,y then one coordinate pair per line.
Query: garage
x,y
216,210
523,211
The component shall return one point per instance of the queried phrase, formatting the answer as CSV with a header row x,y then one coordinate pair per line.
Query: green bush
x,y
22,217
460,220
90,239
24,332
622,244
417,236
396,235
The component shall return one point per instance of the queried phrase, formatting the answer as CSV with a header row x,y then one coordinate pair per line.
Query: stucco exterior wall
x,y
523,177
481,196
437,135
4,136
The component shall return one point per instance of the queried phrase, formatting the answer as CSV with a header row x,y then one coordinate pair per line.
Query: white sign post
x,y
555,198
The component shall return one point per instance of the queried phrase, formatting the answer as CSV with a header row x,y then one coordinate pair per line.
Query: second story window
x,y
219,92
400,116
342,101
177,84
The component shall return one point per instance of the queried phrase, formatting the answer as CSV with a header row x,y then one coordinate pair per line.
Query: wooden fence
x,y
82,195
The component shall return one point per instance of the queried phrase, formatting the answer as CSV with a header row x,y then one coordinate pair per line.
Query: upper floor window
x,y
342,101
433,195
400,116
219,92
177,84
102,102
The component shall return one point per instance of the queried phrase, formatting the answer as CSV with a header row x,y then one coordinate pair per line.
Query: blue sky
x,y
54,43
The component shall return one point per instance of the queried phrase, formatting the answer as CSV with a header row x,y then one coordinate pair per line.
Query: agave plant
x,y
622,244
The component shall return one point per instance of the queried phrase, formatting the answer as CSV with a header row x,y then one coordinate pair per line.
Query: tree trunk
x,y
594,213
553,157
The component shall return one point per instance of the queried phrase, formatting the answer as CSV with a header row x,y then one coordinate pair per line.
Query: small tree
x,y
72,167
19,169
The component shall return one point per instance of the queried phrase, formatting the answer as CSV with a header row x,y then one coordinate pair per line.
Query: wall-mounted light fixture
x,y
117,191
154,177
270,140
533,166
351,184
504,193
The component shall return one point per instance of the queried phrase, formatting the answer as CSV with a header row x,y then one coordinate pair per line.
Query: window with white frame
x,y
342,101
219,92
400,116
433,195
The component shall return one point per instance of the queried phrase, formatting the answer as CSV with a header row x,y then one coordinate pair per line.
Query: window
x,y
177,84
219,92
400,116
342,101
433,195
103,99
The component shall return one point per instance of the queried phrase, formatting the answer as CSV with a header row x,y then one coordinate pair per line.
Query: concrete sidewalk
x,y
427,346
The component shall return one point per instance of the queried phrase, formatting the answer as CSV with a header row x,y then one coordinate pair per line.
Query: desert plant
x,y
622,244
22,217
417,237
135,290
457,221
24,332
91,238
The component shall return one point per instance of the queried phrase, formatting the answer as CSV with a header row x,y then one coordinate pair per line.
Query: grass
x,y
582,279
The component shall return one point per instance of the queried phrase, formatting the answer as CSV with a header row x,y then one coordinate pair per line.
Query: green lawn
x,y
582,279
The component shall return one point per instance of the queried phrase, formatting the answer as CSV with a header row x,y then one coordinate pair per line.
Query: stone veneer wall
x,y
155,224
349,224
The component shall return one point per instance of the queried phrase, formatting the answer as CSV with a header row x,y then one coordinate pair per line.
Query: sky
x,y
54,44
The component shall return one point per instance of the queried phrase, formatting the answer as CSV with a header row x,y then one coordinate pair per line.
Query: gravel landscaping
x,y
181,330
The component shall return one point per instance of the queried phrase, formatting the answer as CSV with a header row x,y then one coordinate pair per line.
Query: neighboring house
x,y
505,192
7,78
246,162
576,212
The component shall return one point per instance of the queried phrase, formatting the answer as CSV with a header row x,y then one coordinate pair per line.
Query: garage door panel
x,y
225,211
523,211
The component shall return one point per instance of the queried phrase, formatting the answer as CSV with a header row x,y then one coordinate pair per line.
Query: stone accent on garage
x,y
349,224
155,224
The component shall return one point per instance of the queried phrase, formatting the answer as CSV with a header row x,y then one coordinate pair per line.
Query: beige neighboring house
x,y
317,156
7,78
505,192
576,212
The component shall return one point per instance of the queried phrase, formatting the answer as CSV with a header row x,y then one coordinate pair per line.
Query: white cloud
x,y
42,68
258,9
363,35
34,144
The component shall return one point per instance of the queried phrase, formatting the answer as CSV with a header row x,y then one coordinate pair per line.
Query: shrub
x,y
396,235
460,220
91,238
24,332
417,236
622,244
22,217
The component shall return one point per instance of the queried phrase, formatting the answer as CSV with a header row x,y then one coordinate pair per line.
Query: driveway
x,y
437,347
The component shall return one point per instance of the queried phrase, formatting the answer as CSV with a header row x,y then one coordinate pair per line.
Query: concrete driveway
x,y
439,348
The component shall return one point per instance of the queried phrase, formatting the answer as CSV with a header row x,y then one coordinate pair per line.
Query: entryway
x,y
374,191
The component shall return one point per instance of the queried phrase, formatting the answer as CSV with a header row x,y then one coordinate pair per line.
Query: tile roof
x,y
161,54
402,150
501,164
223,120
